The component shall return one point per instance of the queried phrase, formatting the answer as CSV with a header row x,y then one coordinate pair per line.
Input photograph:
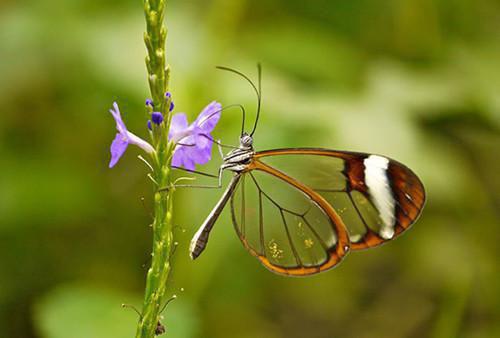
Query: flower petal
x,y
202,139
120,126
178,127
188,163
200,155
209,117
179,122
196,137
144,145
182,159
178,156
189,156
118,147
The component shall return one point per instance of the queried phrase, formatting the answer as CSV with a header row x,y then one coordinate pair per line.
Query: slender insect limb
x,y
200,186
218,186
195,172
220,150
183,179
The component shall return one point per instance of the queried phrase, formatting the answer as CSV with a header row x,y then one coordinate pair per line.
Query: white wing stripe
x,y
380,192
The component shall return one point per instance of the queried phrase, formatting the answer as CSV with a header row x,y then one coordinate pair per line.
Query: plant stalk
x,y
158,78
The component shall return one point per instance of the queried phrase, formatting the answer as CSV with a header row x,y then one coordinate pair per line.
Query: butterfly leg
x,y
195,172
220,150
203,186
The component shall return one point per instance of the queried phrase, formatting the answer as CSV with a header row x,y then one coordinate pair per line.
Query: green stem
x,y
158,78
158,273
154,38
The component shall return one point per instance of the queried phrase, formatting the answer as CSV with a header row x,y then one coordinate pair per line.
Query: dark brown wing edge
x,y
407,189
335,253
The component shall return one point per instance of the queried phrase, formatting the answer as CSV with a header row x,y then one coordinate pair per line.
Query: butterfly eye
x,y
246,140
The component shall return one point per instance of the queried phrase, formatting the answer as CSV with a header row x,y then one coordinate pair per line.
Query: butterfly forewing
x,y
284,227
376,198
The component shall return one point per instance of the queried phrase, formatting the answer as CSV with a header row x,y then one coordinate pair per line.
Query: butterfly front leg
x,y
203,186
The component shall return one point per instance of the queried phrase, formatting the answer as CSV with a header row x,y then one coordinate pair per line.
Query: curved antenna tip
x,y
257,89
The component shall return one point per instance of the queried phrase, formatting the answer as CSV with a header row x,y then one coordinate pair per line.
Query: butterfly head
x,y
246,141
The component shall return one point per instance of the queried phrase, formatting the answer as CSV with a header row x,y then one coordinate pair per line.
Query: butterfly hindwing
x,y
287,226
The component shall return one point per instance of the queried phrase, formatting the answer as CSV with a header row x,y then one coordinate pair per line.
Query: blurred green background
x,y
416,80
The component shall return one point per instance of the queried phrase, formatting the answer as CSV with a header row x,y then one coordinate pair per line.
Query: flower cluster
x,y
194,141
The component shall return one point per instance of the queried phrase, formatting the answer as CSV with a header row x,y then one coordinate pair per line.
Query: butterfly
x,y
299,211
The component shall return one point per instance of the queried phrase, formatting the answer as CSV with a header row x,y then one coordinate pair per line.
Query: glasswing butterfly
x,y
301,210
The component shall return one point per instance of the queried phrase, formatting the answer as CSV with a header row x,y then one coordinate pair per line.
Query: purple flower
x,y
195,145
124,138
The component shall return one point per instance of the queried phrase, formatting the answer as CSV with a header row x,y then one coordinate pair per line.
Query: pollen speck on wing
x,y
276,252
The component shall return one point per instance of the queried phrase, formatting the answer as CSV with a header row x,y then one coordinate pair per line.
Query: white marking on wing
x,y
380,191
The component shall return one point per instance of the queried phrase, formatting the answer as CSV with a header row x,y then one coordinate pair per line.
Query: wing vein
x,y
292,246
276,203
315,233
368,229
261,225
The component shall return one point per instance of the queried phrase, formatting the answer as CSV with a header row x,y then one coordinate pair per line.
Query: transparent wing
x,y
289,228
376,197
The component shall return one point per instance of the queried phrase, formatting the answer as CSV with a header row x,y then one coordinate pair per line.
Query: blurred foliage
x,y
417,80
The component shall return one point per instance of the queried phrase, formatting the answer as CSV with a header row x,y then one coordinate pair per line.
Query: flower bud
x,y
157,118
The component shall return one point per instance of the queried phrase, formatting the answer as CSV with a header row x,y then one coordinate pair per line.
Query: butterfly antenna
x,y
256,90
236,105
259,83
